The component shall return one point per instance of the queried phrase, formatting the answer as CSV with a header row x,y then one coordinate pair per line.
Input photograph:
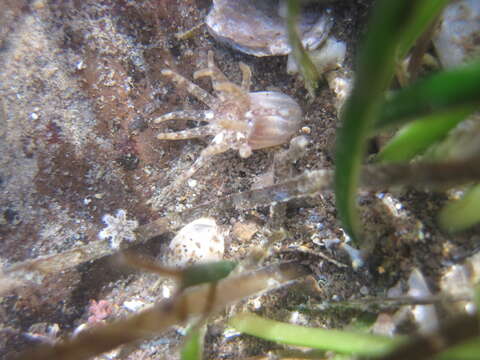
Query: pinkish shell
x,y
257,28
276,117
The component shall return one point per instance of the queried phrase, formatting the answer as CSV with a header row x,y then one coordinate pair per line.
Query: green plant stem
x,y
444,92
307,68
192,349
375,71
462,213
346,342
417,136
426,13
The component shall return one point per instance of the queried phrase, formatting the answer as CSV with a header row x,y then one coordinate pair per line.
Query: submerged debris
x,y
166,313
258,27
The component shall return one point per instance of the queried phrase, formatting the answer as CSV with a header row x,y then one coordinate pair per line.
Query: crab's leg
x,y
218,146
189,133
246,77
220,82
193,89
233,91
221,86
211,71
196,115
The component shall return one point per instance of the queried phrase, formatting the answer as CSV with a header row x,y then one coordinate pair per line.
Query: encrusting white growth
x,y
118,228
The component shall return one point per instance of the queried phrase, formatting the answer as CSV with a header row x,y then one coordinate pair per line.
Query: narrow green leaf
x,y
192,349
206,272
467,351
441,92
346,342
374,74
426,12
462,213
477,299
417,136
307,68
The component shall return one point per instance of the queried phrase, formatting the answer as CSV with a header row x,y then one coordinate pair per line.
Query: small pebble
x,y
244,231
364,290
306,130
133,305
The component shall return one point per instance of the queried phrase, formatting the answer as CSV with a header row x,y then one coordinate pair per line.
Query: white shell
x,y
425,315
329,56
200,241
459,281
455,41
257,27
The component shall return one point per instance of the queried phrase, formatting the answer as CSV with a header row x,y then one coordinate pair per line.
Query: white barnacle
x,y
118,228
237,118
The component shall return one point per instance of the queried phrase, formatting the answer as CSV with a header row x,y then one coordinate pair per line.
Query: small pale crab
x,y
237,118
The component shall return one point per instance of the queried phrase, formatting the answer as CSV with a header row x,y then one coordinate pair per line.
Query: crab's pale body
x,y
238,119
